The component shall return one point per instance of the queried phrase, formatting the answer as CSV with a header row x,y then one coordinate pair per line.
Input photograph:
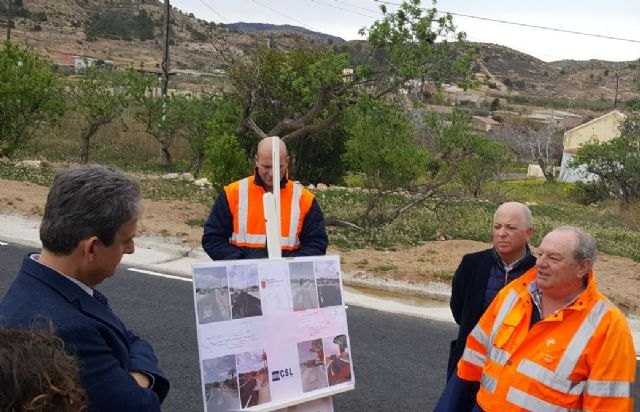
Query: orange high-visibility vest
x,y
580,358
245,203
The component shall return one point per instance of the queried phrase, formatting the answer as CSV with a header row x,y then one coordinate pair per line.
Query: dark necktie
x,y
101,298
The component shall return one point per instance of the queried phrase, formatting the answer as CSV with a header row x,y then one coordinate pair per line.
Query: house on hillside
x,y
484,124
81,63
456,95
602,129
65,62
557,119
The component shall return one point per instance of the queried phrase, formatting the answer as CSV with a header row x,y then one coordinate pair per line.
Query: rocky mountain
x,y
568,79
129,32
278,28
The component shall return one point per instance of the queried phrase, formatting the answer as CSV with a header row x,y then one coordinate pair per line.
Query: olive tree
x,y
98,96
30,96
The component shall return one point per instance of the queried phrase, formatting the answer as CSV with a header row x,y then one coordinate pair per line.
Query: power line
x,y
359,7
224,20
284,15
602,36
343,9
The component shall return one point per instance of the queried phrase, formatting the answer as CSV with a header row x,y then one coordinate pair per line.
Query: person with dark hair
x,y
37,375
90,220
236,226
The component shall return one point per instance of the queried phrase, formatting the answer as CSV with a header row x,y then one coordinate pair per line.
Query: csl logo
x,y
281,374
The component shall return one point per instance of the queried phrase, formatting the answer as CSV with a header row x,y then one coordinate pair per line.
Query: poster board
x,y
272,334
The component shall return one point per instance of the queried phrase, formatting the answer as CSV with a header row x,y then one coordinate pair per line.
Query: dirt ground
x,y
618,277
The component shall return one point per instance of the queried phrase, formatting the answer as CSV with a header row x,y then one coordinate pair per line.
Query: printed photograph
x,y
213,303
253,373
337,359
220,384
303,286
245,291
328,281
311,357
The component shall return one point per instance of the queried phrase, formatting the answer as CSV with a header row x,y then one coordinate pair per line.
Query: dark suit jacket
x,y
467,295
107,351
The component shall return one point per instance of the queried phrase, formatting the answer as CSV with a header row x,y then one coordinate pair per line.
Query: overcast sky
x,y
343,18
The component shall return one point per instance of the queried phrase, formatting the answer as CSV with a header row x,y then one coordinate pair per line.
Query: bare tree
x,y
532,141
302,92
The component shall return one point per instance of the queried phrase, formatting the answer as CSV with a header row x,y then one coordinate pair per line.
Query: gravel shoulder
x,y
420,270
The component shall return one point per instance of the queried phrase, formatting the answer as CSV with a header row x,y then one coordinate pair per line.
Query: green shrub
x,y
226,160
590,193
119,23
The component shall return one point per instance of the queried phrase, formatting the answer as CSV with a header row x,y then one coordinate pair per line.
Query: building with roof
x,y
601,129
484,124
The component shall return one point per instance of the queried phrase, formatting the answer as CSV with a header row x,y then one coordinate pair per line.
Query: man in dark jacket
x,y
90,221
236,226
482,274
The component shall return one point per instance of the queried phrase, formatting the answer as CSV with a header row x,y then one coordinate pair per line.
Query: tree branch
x,y
310,129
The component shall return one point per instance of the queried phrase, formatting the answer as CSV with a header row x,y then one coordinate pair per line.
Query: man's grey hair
x,y
85,201
526,212
586,246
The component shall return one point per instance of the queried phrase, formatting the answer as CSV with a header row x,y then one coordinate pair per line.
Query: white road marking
x,y
3,243
162,275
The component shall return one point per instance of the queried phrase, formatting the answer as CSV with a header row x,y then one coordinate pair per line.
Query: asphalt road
x,y
399,361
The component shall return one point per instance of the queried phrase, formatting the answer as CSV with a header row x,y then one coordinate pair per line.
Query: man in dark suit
x,y
482,274
89,223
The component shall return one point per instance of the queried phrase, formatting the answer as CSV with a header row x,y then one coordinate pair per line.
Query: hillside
x,y
129,32
275,28
568,79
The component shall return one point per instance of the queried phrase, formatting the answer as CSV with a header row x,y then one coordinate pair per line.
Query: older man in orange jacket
x,y
549,341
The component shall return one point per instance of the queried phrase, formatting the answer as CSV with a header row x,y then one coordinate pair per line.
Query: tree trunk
x,y
167,159
198,162
86,140
547,170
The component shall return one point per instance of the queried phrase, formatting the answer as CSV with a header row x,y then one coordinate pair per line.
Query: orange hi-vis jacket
x,y
580,358
249,229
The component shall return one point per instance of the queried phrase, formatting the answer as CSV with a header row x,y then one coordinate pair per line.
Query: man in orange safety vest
x,y
236,227
550,341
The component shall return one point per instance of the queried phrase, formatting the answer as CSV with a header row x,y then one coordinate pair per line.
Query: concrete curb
x,y
172,256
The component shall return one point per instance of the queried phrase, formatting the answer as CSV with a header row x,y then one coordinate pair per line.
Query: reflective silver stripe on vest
x,y
259,239
531,403
559,380
495,354
474,357
243,210
480,336
613,389
549,378
293,240
255,239
499,356
508,303
287,241
488,383
580,339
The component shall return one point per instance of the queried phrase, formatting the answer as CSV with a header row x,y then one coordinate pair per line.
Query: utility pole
x,y
615,100
9,21
165,55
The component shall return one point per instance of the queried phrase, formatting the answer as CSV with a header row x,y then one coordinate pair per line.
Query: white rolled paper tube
x,y
272,222
275,164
